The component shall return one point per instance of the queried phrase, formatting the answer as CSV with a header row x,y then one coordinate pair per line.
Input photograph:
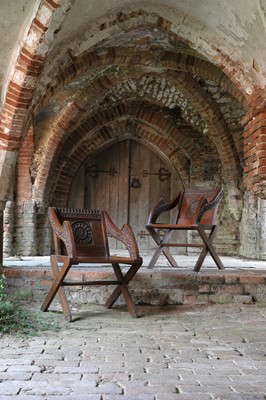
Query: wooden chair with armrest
x,y
81,237
195,211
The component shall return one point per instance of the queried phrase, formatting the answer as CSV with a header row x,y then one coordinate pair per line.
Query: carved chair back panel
x,y
89,231
199,206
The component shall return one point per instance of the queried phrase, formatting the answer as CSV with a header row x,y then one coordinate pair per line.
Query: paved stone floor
x,y
185,353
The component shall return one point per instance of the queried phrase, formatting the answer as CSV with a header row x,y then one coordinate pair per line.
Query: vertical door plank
x,y
144,198
122,199
77,190
134,191
118,187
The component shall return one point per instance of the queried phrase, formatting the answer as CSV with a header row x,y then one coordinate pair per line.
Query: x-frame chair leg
x,y
161,249
207,240
56,288
123,281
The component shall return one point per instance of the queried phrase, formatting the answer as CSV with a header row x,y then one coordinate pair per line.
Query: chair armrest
x,y
62,233
124,235
210,206
161,206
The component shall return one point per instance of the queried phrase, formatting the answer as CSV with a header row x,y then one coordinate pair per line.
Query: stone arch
x,y
80,150
26,96
136,130
30,63
20,93
220,136
162,61
16,112
153,119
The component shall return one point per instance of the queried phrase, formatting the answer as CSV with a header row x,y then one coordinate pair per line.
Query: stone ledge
x,y
160,286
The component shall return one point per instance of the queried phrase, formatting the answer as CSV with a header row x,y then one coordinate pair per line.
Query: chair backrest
x,y
198,205
89,231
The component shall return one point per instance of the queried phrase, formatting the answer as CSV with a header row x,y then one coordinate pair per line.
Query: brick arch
x,y
154,89
16,112
123,58
218,128
197,104
226,72
154,120
30,64
20,103
214,119
134,129
15,116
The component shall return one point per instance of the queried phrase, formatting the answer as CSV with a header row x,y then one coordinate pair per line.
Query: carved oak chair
x,y
81,237
195,211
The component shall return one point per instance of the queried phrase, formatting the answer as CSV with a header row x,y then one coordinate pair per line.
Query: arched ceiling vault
x,y
153,26
88,65
189,65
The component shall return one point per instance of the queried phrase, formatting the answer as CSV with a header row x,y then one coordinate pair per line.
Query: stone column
x,y
43,230
2,206
249,228
8,229
25,238
7,163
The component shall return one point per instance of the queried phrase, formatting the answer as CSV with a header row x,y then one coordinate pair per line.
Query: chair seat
x,y
179,226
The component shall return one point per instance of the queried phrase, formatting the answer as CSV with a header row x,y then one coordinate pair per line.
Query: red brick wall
x,y
255,144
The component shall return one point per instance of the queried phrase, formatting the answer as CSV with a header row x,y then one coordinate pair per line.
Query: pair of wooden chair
x,y
81,237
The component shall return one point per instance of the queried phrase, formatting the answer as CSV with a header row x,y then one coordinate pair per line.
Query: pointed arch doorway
x,y
125,179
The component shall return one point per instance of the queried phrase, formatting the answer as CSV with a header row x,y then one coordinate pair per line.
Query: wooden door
x,y
126,179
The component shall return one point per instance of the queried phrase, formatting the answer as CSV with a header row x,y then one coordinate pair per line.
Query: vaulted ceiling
x,y
85,72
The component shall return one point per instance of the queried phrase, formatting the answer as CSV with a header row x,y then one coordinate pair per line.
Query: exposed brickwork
x,y
255,144
24,81
125,56
218,131
153,287
16,110
151,126
24,185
